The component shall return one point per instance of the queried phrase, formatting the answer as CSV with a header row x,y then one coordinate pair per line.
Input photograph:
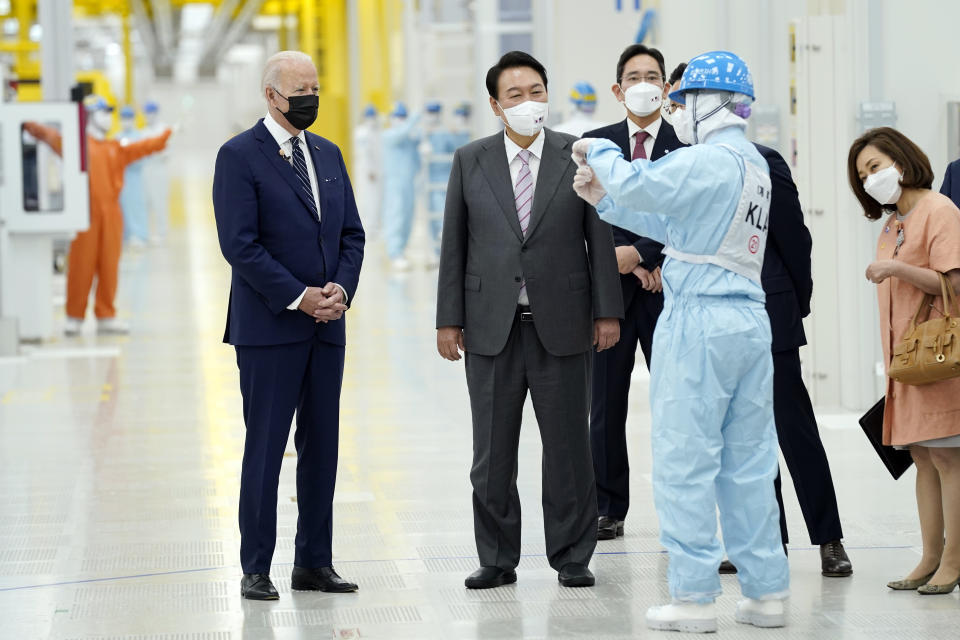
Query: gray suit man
x,y
528,285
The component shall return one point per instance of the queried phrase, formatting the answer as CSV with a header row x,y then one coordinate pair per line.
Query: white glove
x,y
580,149
586,185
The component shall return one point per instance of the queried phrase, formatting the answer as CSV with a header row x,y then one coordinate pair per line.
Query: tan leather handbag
x,y
929,351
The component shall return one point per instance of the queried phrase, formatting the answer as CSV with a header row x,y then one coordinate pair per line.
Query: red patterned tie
x,y
638,151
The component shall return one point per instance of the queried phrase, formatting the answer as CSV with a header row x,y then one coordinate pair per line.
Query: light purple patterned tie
x,y
523,196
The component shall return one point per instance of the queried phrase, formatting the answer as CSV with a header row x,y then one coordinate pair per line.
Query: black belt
x,y
523,310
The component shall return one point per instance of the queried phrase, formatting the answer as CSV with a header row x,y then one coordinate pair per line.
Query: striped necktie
x,y
523,191
300,166
523,196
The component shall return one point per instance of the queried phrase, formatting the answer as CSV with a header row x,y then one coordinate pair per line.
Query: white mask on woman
x,y
643,98
526,118
884,185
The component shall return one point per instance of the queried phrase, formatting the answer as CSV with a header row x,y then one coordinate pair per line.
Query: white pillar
x,y
56,49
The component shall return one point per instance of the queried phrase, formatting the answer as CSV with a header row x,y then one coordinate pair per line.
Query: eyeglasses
x,y
673,106
652,78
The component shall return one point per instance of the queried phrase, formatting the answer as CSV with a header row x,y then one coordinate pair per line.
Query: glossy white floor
x,y
119,465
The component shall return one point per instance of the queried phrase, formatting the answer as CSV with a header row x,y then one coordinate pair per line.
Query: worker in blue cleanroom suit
x,y
714,440
584,101
401,163
156,177
367,172
133,198
439,145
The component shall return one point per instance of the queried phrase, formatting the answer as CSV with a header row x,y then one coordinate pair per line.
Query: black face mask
x,y
303,110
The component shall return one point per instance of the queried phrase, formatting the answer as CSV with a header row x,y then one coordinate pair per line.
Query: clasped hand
x,y
323,304
651,281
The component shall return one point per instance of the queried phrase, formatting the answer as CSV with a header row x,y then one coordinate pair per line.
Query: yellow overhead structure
x,y
324,37
26,53
322,32
284,9
93,8
380,24
27,67
99,7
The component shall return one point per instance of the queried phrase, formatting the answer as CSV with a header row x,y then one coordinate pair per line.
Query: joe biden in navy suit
x,y
289,228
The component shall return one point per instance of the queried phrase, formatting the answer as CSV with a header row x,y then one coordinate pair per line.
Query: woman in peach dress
x,y
920,238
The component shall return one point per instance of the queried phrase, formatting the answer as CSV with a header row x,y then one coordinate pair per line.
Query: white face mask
x,y
128,124
527,118
666,115
704,114
884,185
682,122
102,120
643,98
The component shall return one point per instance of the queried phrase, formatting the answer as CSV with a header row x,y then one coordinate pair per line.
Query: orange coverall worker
x,y
96,251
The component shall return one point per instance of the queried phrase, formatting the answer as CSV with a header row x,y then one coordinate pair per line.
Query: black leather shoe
x,y
257,586
727,567
609,528
574,574
322,579
490,577
834,562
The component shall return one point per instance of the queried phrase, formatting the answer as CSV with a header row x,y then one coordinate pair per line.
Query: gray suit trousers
x,y
559,388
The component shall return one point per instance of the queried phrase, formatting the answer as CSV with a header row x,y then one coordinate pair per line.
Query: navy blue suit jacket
x,y
951,182
650,250
274,243
786,276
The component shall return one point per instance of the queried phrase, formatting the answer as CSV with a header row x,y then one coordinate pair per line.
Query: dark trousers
x,y
608,413
803,451
559,388
276,381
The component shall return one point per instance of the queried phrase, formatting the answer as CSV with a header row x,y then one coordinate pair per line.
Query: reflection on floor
x,y
119,465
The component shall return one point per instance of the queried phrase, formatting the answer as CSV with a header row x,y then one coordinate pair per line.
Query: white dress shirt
x,y
282,136
515,163
653,129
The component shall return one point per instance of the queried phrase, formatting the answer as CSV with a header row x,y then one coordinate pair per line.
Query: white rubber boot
x,y
72,326
112,326
690,617
762,613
